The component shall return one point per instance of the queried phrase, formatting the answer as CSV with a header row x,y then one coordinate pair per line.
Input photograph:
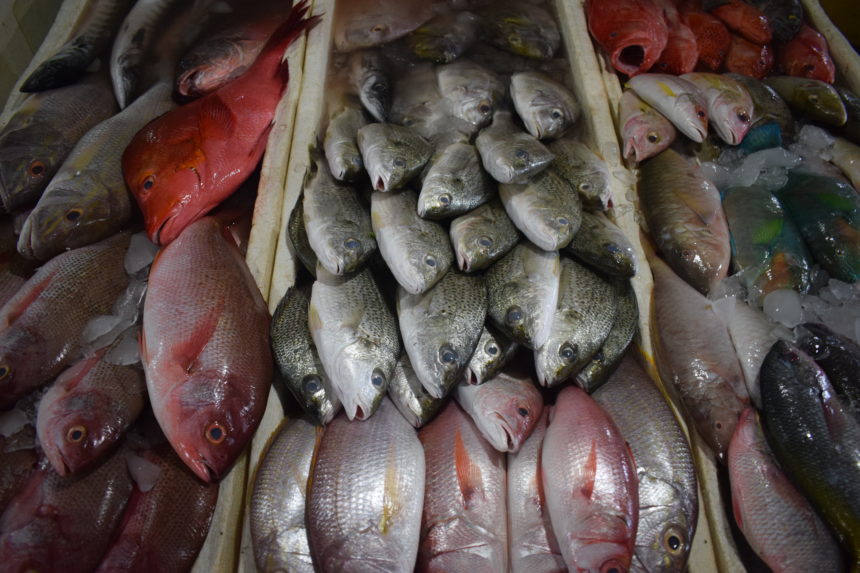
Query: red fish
x,y
807,56
712,38
187,161
681,51
749,59
745,20
632,32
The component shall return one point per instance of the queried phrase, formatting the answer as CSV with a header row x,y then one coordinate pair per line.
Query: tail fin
x,y
287,33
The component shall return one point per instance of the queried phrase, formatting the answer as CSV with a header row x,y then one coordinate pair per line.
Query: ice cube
x,y
127,350
783,306
128,305
144,473
841,291
814,139
100,326
141,252
12,422
730,286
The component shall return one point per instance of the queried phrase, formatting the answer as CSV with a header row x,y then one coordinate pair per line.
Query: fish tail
x,y
287,33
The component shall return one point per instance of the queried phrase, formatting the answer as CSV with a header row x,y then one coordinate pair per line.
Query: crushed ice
x,y
12,422
144,473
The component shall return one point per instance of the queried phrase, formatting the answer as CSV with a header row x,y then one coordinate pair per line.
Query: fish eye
x,y
567,352
378,29
611,567
653,137
744,116
492,348
585,186
813,98
445,199
484,107
430,261
74,214
700,113
377,378
312,384
563,221
399,162
215,433
76,434
378,87
673,540
351,243
448,355
5,371
522,154
485,241
514,315
523,411
148,182
36,168
556,114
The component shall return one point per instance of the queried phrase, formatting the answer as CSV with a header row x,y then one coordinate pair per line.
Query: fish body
x,y
712,38
184,163
846,156
546,107
364,512
417,251
463,526
366,23
682,49
778,522
471,91
851,129
392,154
584,170
784,17
583,319
668,494
87,200
299,238
444,38
371,81
678,100
633,33
745,20
493,352
277,510
441,328
545,209
508,154
482,236
523,292
644,130
41,326
748,58
522,29
413,400
815,99
205,348
297,358
419,106
43,131
807,56
601,244
455,183
729,106
355,334
590,483
340,144
16,466
768,106
839,357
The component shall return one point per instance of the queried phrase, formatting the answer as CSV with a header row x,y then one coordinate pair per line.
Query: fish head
x,y
364,381
489,356
520,161
22,360
318,398
691,116
437,198
375,94
440,365
478,245
29,158
523,36
663,539
553,229
732,117
644,137
81,430
420,268
346,248
821,102
556,360
511,411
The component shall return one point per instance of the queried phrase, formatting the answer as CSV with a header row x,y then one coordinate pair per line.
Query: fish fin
x,y
216,119
469,477
287,33
17,306
186,353
589,472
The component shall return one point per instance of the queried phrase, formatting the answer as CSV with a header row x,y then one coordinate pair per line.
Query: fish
x,y
471,91
697,359
767,249
583,319
444,38
768,106
585,171
441,328
419,106
632,32
417,251
602,245
644,130
14,268
729,106
205,348
298,238
463,527
839,358
817,100
532,545
371,81
166,522
508,154
93,32
366,23
340,143
745,20
482,236
844,155
364,512
807,56
826,211
454,183
407,393
682,49
666,473
784,17
547,107
523,292
355,333
678,100
545,209
521,29
65,523
392,154
87,410
297,358
16,466
277,510
86,200
712,38
814,439
492,353
336,223
686,219
590,483
41,326
184,163
747,58
625,326
851,129
41,133
505,409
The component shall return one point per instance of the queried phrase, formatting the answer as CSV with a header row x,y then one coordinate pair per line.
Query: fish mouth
x,y
509,441
202,469
157,235
463,262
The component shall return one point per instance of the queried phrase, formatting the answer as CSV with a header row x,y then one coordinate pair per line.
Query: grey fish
x,y
355,333
367,23
509,154
455,183
337,224
483,236
601,244
298,360
767,104
392,154
547,107
586,311
624,328
784,17
419,106
817,100
851,129
371,80
444,38
70,62
340,145
522,29
42,132
298,238
668,496
523,288
492,353
277,509
545,209
417,251
441,328
409,395
472,91
585,171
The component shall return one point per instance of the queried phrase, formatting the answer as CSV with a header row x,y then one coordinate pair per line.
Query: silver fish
x,y
524,29
729,105
472,91
601,244
367,23
455,183
444,38
509,154
392,154
547,108
678,100
493,352
299,238
644,131
545,209
371,80
483,236
419,106
585,171
409,395
340,145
